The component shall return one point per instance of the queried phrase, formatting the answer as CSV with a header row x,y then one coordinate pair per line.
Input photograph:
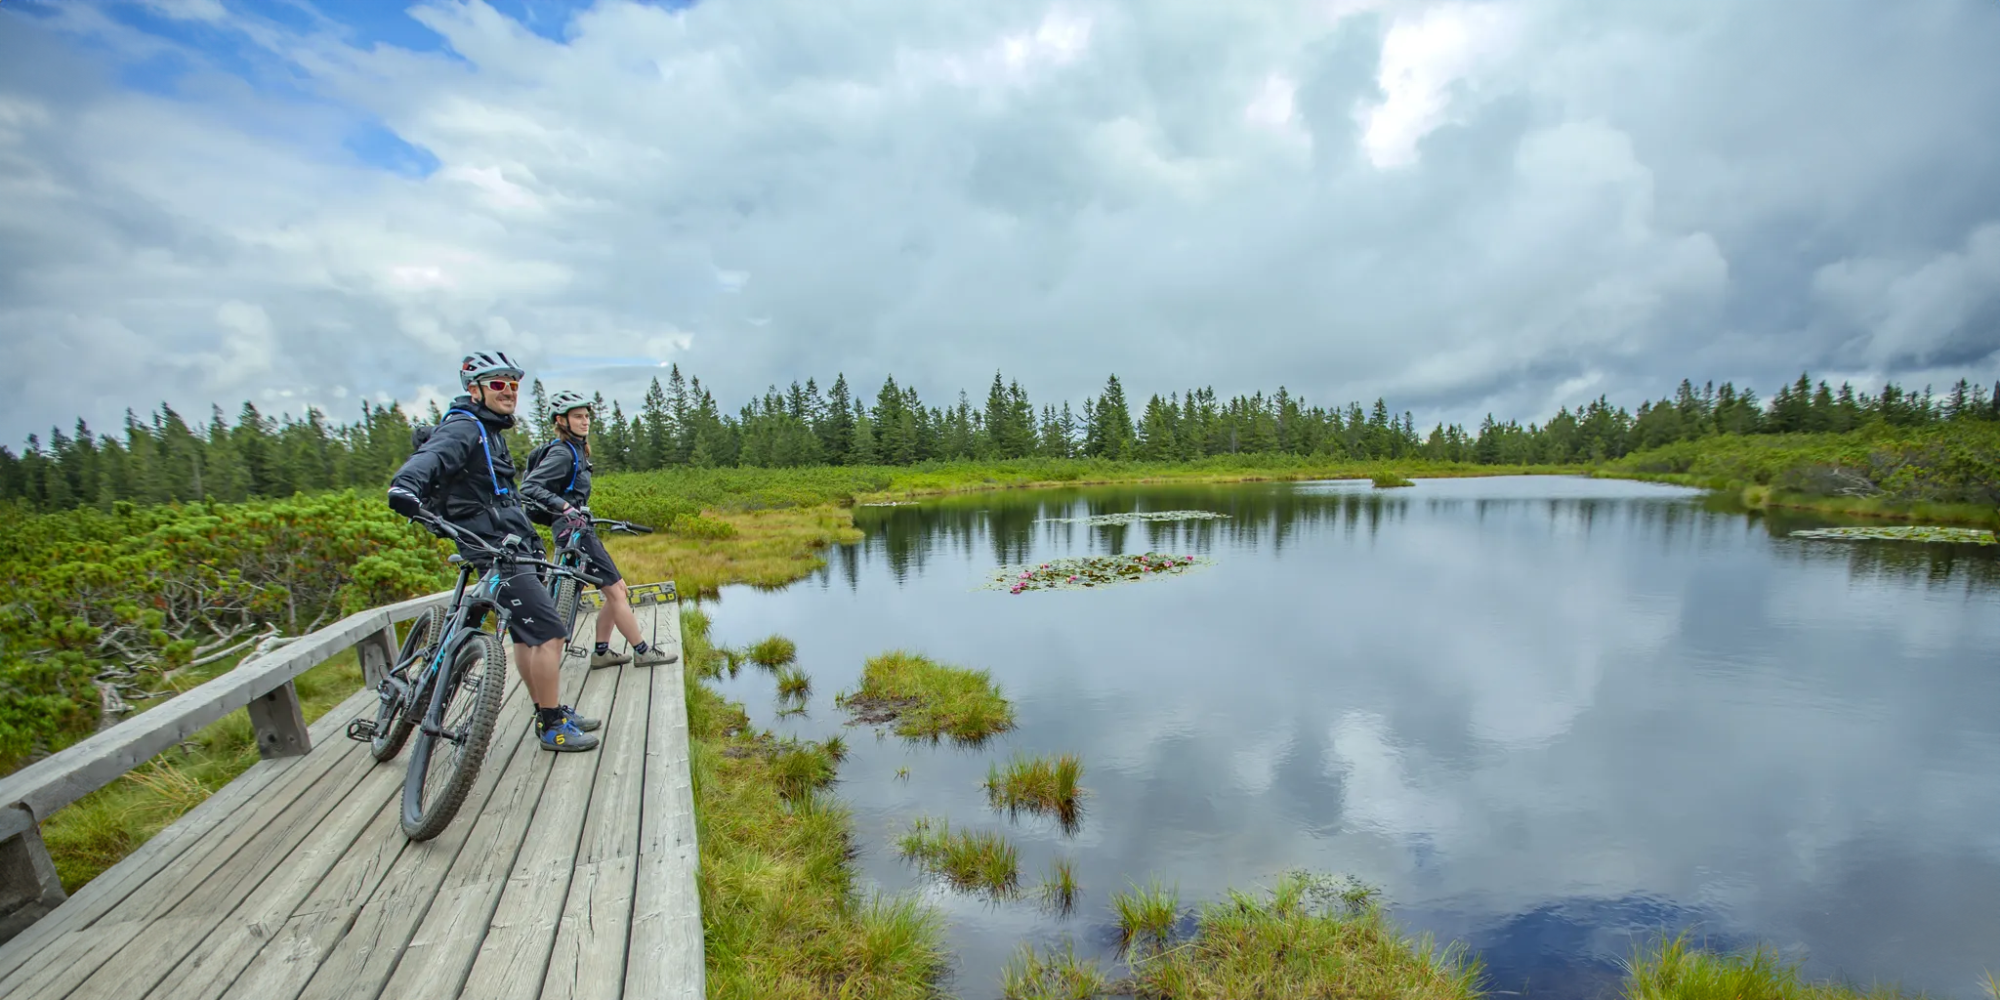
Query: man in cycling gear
x,y
559,480
464,467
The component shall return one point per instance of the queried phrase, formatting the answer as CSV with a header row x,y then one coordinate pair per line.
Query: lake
x,y
1549,717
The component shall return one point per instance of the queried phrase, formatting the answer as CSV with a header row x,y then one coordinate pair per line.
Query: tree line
x,y
678,423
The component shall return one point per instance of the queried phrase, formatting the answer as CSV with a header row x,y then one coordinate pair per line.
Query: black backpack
x,y
535,511
422,432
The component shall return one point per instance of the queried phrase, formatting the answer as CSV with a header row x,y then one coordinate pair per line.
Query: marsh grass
x,y
770,548
1146,914
1307,939
793,683
928,700
800,770
1674,969
773,652
781,917
982,860
1389,480
1054,975
100,829
1044,785
1059,887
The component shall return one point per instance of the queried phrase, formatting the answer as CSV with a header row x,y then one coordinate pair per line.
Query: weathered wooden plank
x,y
441,953
57,969
168,935
514,956
665,956
365,956
111,888
382,862
588,959
61,778
212,963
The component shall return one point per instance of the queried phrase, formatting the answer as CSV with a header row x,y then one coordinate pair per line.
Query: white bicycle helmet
x,y
565,401
487,364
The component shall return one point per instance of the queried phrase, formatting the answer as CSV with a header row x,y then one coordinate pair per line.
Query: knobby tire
x,y
394,721
478,669
569,593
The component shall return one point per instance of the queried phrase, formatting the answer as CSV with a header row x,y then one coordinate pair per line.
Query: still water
x,y
1547,717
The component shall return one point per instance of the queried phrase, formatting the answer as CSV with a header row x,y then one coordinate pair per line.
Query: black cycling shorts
x,y
532,618
596,561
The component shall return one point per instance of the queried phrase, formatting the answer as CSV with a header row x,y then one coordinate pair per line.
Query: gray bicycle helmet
x,y
487,364
565,401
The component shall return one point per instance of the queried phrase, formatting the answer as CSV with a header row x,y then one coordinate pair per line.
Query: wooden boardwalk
x,y
563,877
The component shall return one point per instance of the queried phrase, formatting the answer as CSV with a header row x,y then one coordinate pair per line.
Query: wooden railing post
x,y
281,723
378,654
29,886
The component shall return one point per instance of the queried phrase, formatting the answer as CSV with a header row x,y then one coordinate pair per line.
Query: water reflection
x,y
1544,715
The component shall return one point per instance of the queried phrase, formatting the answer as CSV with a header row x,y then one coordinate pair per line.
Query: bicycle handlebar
x,y
484,551
625,526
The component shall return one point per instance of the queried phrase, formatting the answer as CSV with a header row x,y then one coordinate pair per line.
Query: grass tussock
x,y
1054,975
1059,887
1306,940
100,829
781,916
793,683
983,861
1389,480
1675,969
773,652
1046,785
926,699
1146,914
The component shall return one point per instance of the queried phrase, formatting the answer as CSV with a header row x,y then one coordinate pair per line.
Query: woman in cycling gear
x,y
559,479
464,474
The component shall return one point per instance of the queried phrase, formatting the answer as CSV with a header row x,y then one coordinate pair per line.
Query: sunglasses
x,y
502,385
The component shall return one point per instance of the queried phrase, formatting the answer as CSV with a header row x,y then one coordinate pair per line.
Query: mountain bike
x,y
567,588
447,684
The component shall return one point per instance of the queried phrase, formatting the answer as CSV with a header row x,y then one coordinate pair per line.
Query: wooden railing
x,y
29,887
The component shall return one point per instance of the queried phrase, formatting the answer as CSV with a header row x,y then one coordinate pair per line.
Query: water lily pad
x,y
1902,533
1137,516
1091,572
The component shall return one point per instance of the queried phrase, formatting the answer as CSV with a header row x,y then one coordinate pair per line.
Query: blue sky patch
x,y
376,145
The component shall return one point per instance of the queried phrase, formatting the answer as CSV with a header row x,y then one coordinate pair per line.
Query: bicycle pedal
x,y
361,730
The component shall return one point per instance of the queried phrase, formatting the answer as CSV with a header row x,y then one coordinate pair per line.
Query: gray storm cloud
x,y
1503,205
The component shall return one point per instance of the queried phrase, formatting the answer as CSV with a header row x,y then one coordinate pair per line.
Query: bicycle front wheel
x,y
569,597
444,765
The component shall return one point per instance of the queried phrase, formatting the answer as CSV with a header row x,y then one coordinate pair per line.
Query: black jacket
x,y
558,475
453,467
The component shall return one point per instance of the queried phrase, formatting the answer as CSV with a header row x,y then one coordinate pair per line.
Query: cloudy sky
x,y
1465,206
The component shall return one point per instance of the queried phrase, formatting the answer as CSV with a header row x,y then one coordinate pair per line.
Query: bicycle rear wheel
x,y
443,767
397,716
